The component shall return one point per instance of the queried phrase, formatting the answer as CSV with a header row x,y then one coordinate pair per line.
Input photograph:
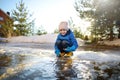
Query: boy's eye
x,y
62,30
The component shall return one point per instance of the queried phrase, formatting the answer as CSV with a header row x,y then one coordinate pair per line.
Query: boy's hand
x,y
57,52
69,49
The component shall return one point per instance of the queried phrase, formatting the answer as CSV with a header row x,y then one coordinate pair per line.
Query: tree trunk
x,y
111,34
119,34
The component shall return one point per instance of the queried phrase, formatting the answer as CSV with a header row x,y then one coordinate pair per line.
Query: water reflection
x,y
5,61
105,70
64,69
11,65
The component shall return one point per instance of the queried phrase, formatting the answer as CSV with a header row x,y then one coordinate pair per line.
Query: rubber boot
x,y
62,54
69,54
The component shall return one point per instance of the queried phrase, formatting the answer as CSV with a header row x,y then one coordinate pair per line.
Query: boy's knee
x,y
58,42
65,42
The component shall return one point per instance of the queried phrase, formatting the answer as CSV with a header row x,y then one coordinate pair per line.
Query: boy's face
x,y
63,29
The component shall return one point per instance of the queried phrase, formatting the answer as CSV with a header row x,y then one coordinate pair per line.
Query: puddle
x,y
28,64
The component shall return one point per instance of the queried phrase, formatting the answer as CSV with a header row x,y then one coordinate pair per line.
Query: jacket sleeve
x,y
74,41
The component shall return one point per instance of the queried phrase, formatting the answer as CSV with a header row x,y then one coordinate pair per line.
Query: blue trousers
x,y
62,44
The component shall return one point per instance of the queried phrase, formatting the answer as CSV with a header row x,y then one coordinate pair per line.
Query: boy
x,y
65,43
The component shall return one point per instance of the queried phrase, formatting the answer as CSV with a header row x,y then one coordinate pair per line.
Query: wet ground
x,y
33,61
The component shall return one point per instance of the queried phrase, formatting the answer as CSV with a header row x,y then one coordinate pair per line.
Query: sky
x,y
47,13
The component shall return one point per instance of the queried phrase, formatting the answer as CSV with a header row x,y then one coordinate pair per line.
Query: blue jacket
x,y
68,37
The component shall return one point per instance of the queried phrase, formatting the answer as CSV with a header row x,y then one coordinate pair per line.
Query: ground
x,y
33,58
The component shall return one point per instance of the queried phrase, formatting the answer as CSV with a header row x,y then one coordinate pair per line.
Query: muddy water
x,y
34,64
